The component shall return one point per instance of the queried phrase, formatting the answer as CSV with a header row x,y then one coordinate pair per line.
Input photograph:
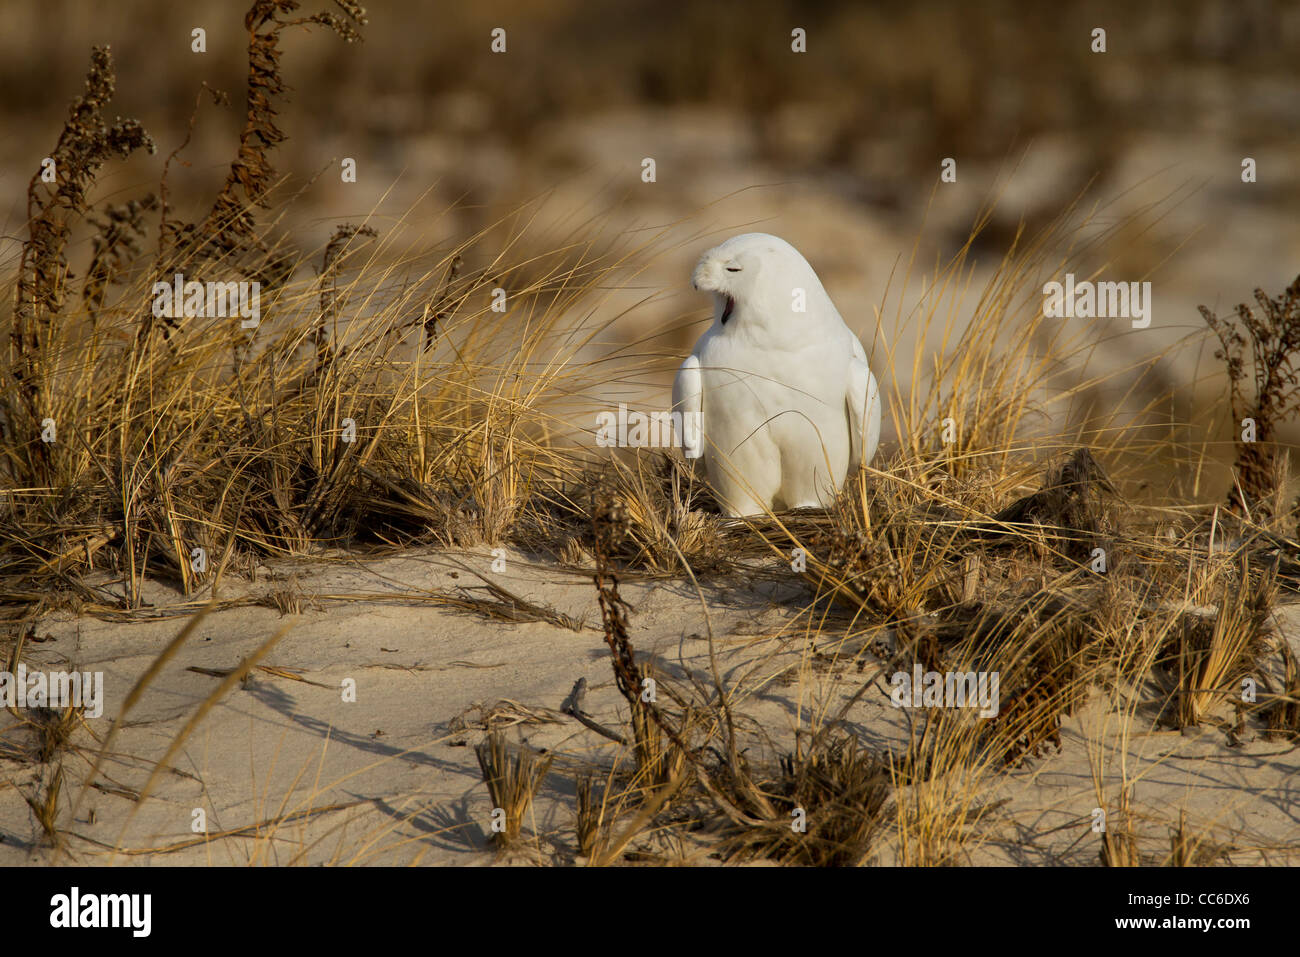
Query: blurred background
x,y
836,149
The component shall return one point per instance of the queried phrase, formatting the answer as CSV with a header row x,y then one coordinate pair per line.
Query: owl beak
x,y
707,277
728,309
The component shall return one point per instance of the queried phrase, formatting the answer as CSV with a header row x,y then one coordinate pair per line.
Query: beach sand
x,y
285,771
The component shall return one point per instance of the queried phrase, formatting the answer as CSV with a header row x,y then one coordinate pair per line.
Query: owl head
x,y
759,279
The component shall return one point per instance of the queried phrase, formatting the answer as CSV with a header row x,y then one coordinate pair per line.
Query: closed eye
x,y
733,268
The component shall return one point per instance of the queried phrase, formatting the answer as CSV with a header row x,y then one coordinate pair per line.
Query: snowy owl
x,y
780,387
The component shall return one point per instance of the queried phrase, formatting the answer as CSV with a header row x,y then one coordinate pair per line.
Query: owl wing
x,y
863,402
688,399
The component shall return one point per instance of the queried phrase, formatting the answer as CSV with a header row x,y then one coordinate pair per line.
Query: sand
x,y
285,771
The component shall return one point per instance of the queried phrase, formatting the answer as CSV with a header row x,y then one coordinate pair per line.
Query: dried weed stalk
x,y
230,226
1261,353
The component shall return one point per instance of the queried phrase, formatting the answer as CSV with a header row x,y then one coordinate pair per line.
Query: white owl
x,y
785,403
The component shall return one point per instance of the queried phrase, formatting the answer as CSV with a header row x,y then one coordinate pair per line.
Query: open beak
x,y
728,309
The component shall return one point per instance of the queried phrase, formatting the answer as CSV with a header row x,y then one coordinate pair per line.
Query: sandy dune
x,y
392,777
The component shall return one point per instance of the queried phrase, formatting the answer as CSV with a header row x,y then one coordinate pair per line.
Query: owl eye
x,y
733,269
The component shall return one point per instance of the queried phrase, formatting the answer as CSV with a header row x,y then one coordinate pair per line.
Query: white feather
x,y
787,403
688,391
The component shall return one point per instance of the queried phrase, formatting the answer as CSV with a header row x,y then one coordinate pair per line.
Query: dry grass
x,y
512,781
45,808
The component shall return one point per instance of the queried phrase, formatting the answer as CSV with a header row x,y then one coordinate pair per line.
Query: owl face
x,y
753,273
